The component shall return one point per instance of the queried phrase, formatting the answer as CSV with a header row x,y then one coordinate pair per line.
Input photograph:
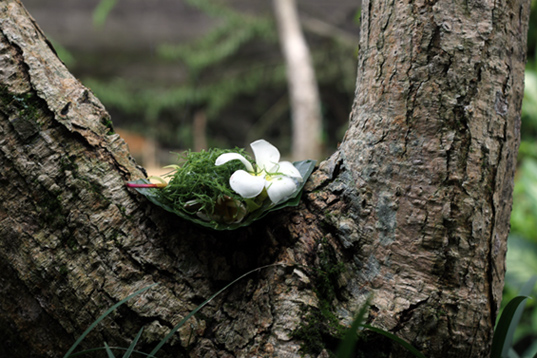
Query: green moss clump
x,y
320,328
198,185
107,122
24,111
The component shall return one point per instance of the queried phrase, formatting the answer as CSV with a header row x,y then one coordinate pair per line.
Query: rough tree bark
x,y
413,207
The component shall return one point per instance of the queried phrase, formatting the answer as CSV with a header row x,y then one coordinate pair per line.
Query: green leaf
x,y
347,345
524,291
512,353
305,168
502,328
110,310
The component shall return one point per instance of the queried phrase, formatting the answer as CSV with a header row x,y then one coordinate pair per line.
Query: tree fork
x,y
415,203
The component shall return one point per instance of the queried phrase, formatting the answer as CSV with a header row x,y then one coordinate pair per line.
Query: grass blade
x,y
110,310
347,345
193,312
502,328
133,344
91,350
394,338
108,351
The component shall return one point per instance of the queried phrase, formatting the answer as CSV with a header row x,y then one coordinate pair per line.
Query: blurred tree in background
x,y
223,77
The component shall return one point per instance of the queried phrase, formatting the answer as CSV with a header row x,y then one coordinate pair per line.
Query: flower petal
x,y
280,188
224,158
266,155
288,169
246,185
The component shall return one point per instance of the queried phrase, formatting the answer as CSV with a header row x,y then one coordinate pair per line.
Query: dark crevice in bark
x,y
406,315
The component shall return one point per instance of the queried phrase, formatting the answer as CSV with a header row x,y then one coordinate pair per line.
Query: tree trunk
x,y
303,91
412,209
432,147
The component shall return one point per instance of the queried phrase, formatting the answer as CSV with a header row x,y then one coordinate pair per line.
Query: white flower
x,y
280,179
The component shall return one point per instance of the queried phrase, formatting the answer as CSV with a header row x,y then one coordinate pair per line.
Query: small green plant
x,y
130,350
98,320
348,343
501,346
502,342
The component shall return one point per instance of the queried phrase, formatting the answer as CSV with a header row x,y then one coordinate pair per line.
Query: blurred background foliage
x,y
522,244
234,74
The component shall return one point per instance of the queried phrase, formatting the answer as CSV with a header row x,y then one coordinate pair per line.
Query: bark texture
x,y
431,147
413,208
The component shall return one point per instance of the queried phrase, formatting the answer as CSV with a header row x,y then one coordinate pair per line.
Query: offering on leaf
x,y
225,189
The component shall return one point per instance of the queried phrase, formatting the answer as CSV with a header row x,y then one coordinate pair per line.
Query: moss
x,y
68,163
72,244
24,111
198,180
51,210
123,211
320,328
107,122
63,270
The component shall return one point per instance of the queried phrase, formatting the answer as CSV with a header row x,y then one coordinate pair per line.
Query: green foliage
x,y
101,12
214,95
222,43
532,33
521,260
529,105
188,186
509,321
64,54
235,72
351,339
218,71
504,331
524,211
348,343
522,244
198,179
